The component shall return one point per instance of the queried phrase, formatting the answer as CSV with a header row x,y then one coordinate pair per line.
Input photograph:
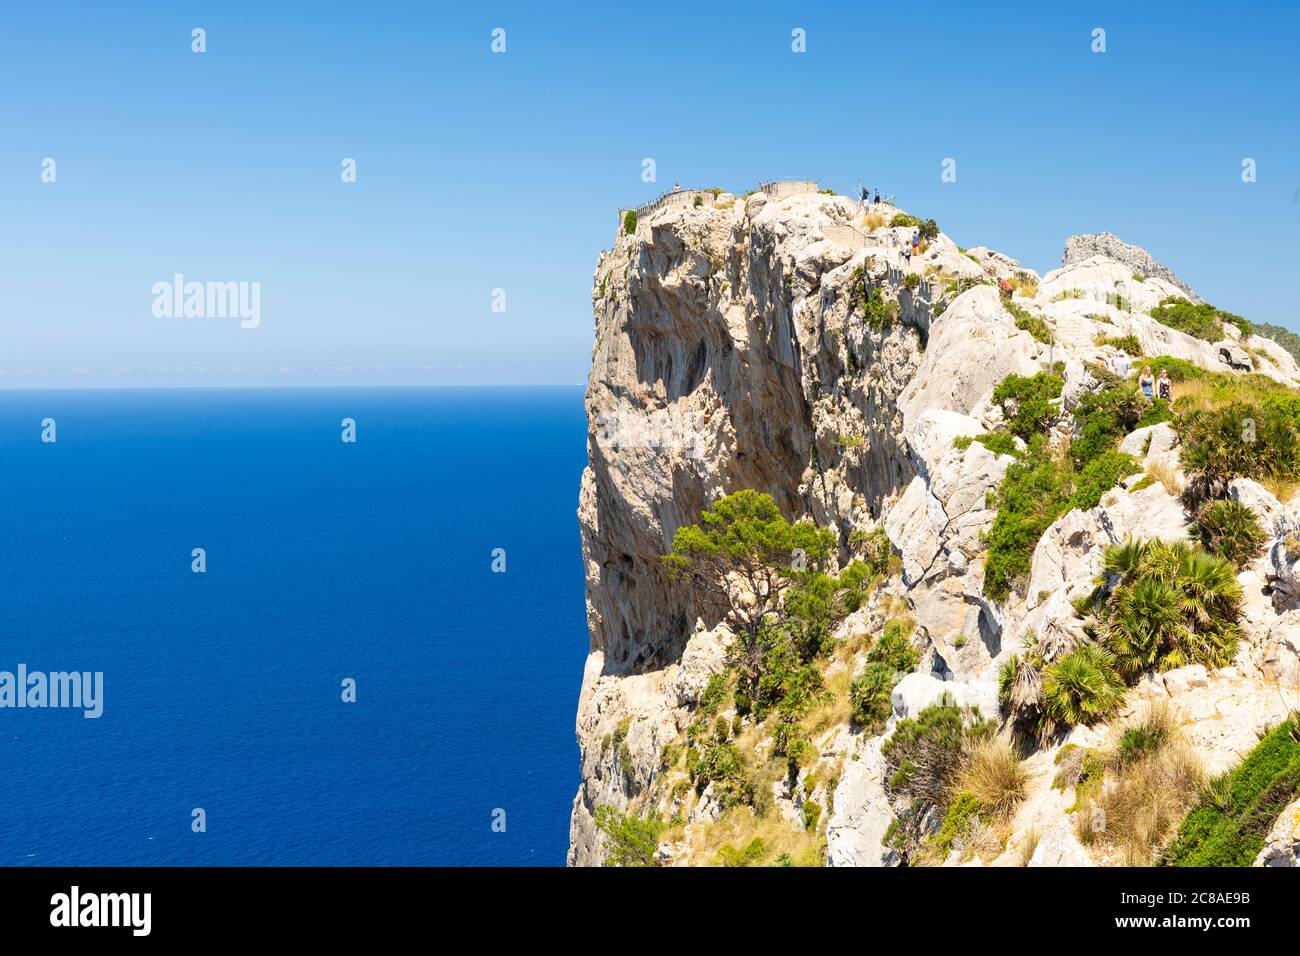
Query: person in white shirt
x,y
1121,364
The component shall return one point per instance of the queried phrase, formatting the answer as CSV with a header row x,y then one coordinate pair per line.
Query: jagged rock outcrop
x,y
1081,247
729,353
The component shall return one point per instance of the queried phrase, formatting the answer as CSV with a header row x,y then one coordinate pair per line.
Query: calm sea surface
x,y
325,561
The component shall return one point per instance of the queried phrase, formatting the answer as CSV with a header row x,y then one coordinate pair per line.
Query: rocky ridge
x,y
727,356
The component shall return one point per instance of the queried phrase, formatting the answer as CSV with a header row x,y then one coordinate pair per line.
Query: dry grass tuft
x,y
1152,777
1162,472
995,776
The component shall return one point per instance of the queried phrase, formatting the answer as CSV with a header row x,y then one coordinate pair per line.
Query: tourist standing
x,y
1121,364
1164,387
1147,382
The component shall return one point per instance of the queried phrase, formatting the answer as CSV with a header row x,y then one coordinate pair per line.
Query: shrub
x,y
728,855
632,841
1125,343
1033,397
1203,321
629,221
1231,530
1026,321
957,822
1180,370
995,776
1082,687
1099,476
1033,494
1242,440
870,695
879,313
1000,443
923,758
903,219
894,649
1237,811
812,812
1102,418
911,280
875,548
1172,604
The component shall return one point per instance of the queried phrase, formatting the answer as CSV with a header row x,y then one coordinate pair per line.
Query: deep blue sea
x,y
325,561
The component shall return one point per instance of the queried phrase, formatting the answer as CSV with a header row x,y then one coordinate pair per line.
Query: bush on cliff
x,y
1171,605
1029,401
743,557
1231,530
1238,809
630,840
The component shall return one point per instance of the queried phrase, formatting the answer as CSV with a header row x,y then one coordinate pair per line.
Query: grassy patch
x,y
1237,810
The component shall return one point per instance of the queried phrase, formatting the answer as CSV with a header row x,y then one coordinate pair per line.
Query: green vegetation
x,y
1231,530
889,659
911,281
812,812
874,550
1034,493
870,696
1034,401
1043,485
744,556
1243,439
1131,795
1237,810
1160,606
1000,443
1125,343
894,649
1082,687
1203,321
728,855
1026,321
1171,605
926,229
629,221
879,313
1068,294
925,758
631,840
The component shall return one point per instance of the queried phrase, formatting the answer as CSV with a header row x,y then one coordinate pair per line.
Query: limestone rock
x,y
917,691
862,813
1134,258
1282,845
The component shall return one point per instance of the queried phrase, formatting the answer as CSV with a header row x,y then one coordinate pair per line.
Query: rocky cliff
x,y
731,351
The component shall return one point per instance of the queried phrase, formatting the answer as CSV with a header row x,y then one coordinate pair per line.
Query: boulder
x,y
1282,845
862,813
917,691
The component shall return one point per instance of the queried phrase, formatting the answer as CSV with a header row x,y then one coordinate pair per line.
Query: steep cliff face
x,y
732,351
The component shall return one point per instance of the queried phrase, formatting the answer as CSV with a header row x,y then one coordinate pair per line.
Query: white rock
x,y
862,813
1282,845
917,691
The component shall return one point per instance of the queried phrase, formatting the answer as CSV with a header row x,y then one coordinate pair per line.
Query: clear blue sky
x,y
479,171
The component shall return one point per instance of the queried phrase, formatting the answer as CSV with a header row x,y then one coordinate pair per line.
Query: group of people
x,y
1151,385
866,195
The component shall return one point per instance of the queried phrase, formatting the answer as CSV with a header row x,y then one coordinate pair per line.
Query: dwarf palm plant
x,y
1082,687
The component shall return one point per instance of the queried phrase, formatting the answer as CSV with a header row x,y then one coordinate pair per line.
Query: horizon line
x,y
235,388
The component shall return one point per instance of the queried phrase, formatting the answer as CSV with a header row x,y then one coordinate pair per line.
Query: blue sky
x,y
479,171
